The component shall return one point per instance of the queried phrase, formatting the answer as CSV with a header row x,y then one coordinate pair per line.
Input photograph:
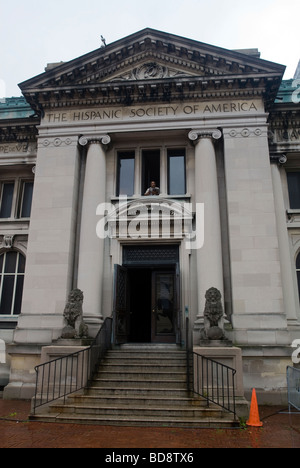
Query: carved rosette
x,y
196,134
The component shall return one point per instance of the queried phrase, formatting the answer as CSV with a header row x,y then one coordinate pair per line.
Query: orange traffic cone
x,y
254,420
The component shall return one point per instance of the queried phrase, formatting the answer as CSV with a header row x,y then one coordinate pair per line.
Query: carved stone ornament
x,y
8,242
196,134
150,71
85,140
72,312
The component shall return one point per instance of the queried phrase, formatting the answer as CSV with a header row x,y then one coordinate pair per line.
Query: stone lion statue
x,y
72,312
213,308
73,308
213,313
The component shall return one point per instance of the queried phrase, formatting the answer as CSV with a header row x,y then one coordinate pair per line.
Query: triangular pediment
x,y
167,56
151,56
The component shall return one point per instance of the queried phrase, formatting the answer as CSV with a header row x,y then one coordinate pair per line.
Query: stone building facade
x,y
218,132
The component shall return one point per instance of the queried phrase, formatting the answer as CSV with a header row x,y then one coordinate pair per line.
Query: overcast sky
x,y
34,32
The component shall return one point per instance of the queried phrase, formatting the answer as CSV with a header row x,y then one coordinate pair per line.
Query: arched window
x,y
298,272
12,269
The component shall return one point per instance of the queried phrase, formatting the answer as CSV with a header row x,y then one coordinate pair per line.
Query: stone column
x,y
91,248
285,256
209,257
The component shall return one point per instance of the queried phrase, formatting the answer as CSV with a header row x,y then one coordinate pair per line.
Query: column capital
x,y
103,139
199,133
279,158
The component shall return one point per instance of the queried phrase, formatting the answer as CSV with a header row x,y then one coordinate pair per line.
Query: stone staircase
x,y
138,386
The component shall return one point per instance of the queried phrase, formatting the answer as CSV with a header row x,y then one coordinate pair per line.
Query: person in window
x,y
152,190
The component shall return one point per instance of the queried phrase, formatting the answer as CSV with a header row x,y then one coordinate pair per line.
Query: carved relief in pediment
x,y
149,71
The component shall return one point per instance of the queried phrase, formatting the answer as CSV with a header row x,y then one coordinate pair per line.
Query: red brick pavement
x,y
279,431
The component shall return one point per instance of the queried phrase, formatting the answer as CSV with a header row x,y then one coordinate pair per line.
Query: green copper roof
x,y
15,108
288,92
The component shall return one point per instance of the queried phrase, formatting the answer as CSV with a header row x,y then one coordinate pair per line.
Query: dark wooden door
x,y
121,309
164,307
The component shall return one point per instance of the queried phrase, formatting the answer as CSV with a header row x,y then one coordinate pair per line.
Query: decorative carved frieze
x,y
246,132
150,71
57,141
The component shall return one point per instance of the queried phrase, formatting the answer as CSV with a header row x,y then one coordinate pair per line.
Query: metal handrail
x,y
212,380
68,374
215,382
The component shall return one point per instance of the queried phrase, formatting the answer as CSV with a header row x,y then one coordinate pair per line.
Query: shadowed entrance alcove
x,y
147,292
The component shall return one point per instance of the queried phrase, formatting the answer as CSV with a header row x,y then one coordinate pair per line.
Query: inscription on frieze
x,y
14,148
150,112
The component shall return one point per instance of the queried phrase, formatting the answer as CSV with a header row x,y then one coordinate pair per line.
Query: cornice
x,y
150,91
19,130
285,116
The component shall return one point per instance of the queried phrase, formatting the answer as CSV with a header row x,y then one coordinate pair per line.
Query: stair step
x,y
154,401
143,356
138,386
141,361
139,421
139,383
142,368
146,376
135,391
138,411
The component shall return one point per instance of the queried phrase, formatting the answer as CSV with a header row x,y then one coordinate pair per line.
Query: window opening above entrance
x,y
151,169
126,166
162,168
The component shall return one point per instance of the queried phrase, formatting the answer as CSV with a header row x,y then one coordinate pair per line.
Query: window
x,y
16,199
176,172
298,272
7,193
151,169
26,199
293,179
12,269
126,165
137,170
